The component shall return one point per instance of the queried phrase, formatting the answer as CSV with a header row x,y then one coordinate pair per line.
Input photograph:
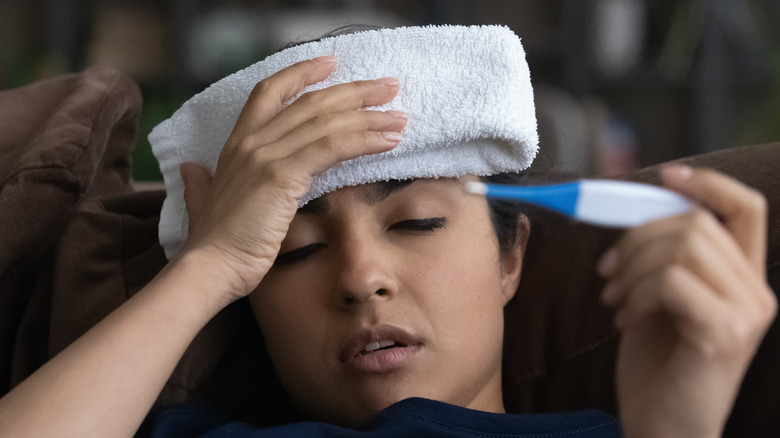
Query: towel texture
x,y
467,91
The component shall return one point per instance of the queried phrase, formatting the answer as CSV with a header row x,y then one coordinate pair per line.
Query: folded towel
x,y
467,91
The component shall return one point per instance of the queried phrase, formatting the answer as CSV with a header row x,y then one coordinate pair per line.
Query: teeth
x,y
373,346
386,343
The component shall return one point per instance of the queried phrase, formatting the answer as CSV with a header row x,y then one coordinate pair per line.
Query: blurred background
x,y
619,84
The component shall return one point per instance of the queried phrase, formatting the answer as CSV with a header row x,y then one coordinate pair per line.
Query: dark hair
x,y
343,30
505,215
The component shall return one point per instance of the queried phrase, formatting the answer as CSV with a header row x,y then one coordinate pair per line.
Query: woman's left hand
x,y
692,305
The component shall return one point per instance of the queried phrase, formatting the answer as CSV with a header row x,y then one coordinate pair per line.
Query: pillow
x,y
61,139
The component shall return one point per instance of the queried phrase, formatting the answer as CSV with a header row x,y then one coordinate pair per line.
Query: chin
x,y
359,404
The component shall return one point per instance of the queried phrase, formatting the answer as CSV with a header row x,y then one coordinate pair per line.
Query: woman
x,y
372,294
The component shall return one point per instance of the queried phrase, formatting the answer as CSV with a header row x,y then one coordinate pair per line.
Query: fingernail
x,y
610,294
393,137
328,59
389,82
398,114
679,172
608,262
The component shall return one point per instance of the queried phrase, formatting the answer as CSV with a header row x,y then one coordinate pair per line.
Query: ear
x,y
512,261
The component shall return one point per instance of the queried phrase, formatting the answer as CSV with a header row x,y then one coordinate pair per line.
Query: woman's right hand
x,y
239,217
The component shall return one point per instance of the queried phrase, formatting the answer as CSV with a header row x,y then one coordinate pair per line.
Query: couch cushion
x,y
61,139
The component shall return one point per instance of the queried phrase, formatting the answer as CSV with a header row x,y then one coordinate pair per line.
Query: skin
x,y
373,265
689,292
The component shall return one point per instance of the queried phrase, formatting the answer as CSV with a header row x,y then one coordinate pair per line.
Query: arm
x,y
105,383
692,304
107,380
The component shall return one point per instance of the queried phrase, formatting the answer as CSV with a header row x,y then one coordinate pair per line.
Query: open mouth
x,y
379,349
379,343
384,344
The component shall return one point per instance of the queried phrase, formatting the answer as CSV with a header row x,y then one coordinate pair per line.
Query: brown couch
x,y
76,241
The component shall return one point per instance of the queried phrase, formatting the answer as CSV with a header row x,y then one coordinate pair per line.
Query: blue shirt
x,y
410,417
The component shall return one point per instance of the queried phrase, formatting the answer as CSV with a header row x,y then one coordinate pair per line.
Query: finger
x,y
269,95
330,150
742,209
674,291
695,241
636,239
197,181
701,319
328,125
335,99
726,275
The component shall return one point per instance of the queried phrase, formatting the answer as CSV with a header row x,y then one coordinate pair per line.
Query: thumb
x,y
197,181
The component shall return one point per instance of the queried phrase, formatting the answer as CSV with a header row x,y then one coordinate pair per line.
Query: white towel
x,y
467,91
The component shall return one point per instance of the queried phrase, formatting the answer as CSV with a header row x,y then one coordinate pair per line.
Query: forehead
x,y
374,193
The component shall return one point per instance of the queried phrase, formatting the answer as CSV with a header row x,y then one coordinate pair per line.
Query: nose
x,y
365,273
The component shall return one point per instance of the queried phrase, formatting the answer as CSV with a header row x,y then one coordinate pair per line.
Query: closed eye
x,y
298,254
422,225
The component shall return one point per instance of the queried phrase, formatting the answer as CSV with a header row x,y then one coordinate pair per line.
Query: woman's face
x,y
387,291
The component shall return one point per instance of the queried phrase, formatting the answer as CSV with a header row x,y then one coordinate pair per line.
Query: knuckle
x,y
686,247
245,147
257,158
312,98
755,202
290,172
263,88
321,120
740,332
366,137
275,170
701,219
669,277
361,85
327,144
718,340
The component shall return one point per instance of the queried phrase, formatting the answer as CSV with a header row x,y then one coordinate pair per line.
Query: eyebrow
x,y
380,191
373,194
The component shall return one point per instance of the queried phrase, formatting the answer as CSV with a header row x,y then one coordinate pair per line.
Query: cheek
x,y
464,277
464,307
285,297
288,313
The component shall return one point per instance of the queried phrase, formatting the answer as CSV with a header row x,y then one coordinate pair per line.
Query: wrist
x,y
203,279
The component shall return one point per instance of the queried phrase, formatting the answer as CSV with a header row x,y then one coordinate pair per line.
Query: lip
x,y
382,360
